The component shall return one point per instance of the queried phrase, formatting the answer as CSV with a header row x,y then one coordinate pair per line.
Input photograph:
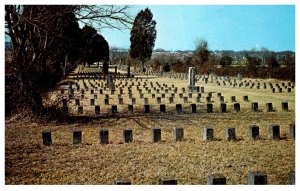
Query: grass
x,y
27,161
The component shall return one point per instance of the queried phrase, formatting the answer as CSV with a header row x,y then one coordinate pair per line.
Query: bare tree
x,y
105,16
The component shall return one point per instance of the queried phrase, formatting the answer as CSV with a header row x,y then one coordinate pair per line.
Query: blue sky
x,y
225,27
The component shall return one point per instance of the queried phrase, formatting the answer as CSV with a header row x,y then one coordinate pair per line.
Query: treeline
x,y
252,64
47,43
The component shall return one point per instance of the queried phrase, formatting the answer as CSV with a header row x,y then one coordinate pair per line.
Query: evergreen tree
x,y
143,35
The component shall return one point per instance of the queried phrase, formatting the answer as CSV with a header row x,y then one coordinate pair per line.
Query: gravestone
x,y
156,135
245,98
209,108
291,177
269,107
285,106
146,108
233,99
80,110
230,134
179,108
47,140
236,107
162,108
103,136
223,108
257,178
110,82
127,134
120,181
216,179
167,180
92,102
178,133
254,106
191,85
114,109
193,108
77,136
274,131
208,134
130,108
253,132
97,110
240,76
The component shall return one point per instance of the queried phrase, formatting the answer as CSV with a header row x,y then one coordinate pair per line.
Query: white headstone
x,y
192,77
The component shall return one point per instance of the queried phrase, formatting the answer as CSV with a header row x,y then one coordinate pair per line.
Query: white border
x,y
143,187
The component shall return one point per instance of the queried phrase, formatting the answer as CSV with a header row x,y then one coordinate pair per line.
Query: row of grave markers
x,y
208,134
179,107
254,178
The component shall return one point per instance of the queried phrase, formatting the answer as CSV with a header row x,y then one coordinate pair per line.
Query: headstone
x,y
257,178
47,140
162,108
245,98
120,181
120,100
80,110
179,108
208,134
291,176
236,107
208,99
193,108
133,101
97,110
240,76
230,134
92,102
156,135
185,99
114,109
274,131
253,132
233,99
127,134
106,101
191,78
216,179
146,102
254,106
285,106
158,100
103,136
77,136
221,99
269,107
223,108
77,102
146,108
169,180
130,108
178,133
209,108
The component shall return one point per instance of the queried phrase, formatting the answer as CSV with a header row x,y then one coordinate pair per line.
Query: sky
x,y
224,27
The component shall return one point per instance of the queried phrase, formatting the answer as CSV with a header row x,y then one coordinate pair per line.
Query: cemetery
x,y
85,105
161,129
